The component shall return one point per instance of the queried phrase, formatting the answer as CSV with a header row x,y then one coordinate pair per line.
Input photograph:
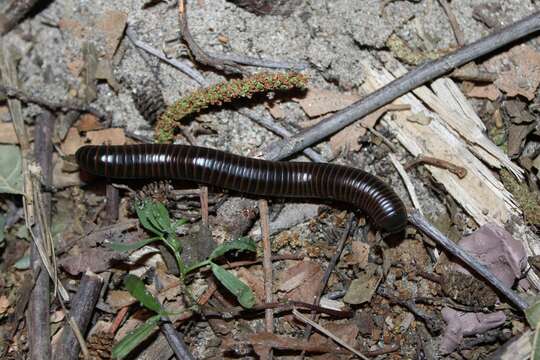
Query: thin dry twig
x,y
14,11
82,309
326,276
226,62
266,122
284,148
14,93
267,264
407,181
458,33
448,245
460,171
324,331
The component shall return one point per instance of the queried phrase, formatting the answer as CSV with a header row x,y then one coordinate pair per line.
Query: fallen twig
x,y
13,93
311,323
175,340
267,266
13,11
461,172
448,245
185,67
458,33
228,63
82,309
326,276
284,148
407,181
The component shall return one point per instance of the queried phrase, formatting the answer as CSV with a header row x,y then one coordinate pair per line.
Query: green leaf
x,y
23,263
143,212
137,289
196,266
243,243
173,242
161,216
131,246
135,337
11,180
243,293
535,354
532,313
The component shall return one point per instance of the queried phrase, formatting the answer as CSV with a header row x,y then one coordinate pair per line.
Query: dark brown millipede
x,y
252,176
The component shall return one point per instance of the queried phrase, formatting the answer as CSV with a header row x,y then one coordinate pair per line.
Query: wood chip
x,y
112,25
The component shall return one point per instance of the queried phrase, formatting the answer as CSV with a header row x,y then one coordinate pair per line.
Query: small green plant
x,y
221,93
155,218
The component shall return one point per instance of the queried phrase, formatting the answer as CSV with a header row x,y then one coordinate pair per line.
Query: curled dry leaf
x,y
253,279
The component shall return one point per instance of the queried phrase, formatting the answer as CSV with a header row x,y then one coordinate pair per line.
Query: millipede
x,y
250,176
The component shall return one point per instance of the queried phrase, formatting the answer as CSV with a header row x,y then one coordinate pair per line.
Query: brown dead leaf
x,y
94,259
7,133
118,299
359,254
518,69
254,280
88,122
364,286
349,136
4,304
74,27
318,101
489,92
275,110
113,136
346,331
61,178
72,142
112,24
301,281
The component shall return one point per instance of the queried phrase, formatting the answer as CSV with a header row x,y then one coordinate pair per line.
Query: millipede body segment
x,y
251,176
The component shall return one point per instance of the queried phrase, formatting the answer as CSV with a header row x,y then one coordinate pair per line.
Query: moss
x,y
221,93
528,201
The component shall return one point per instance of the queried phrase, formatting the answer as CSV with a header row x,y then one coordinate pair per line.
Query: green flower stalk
x,y
221,93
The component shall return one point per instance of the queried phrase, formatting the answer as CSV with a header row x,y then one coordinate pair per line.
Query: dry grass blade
x,y
304,319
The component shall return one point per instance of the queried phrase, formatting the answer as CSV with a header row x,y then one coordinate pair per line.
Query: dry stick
x,y
267,266
460,38
284,148
175,340
328,272
11,92
460,171
265,122
14,11
421,223
39,305
407,181
113,203
337,339
82,309
183,66
227,63
204,204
